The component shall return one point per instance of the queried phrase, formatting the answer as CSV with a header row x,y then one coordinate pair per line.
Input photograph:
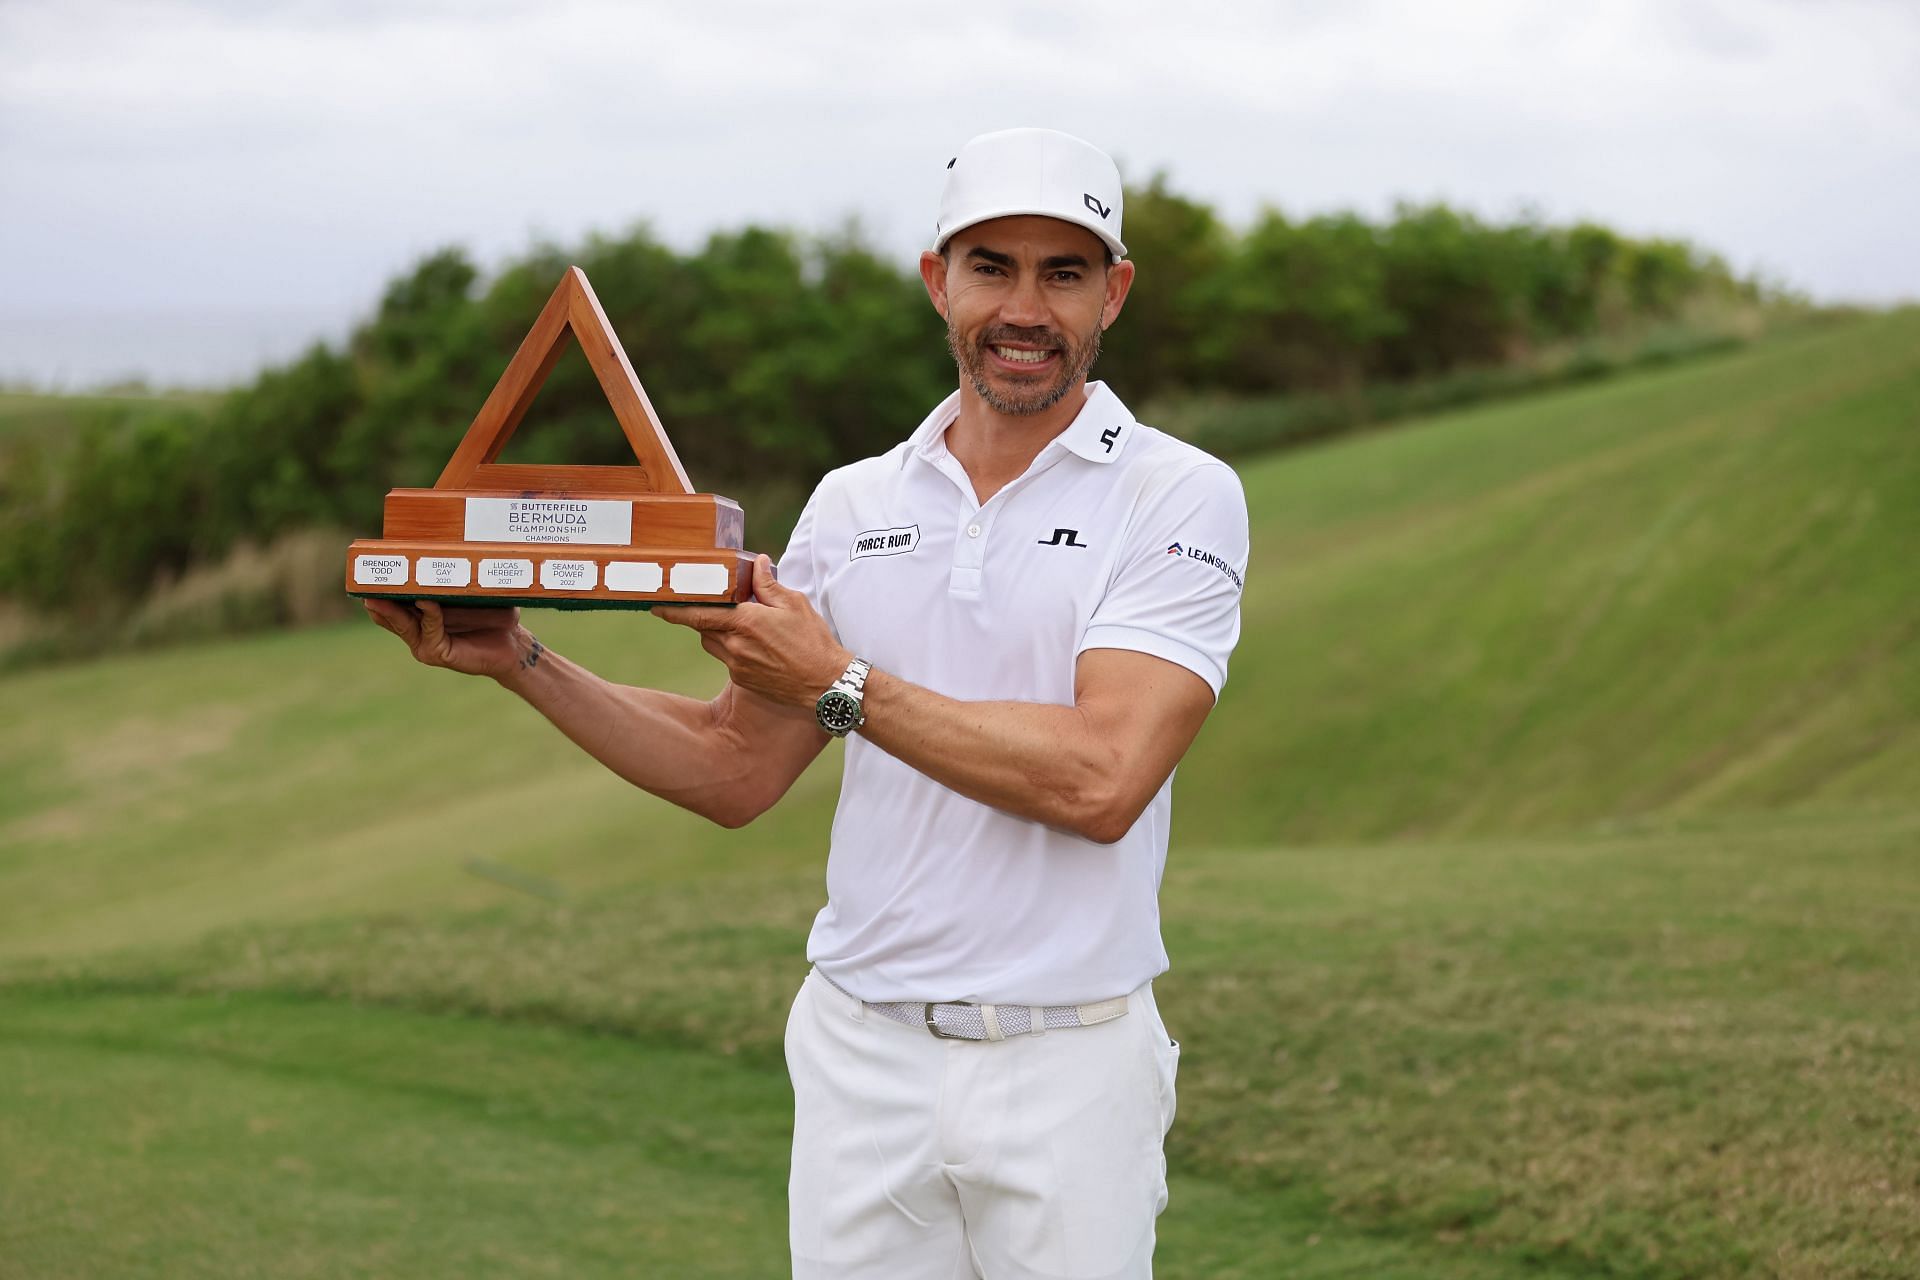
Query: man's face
x,y
1025,300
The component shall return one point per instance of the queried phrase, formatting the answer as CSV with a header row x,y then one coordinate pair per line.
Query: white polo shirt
x,y
1118,536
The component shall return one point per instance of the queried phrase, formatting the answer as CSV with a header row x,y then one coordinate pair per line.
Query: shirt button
x,y
973,531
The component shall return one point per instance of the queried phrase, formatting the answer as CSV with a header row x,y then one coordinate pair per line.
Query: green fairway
x,y
199,1136
1663,1054
1545,898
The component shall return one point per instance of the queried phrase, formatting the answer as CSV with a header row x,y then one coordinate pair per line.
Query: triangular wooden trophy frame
x,y
569,537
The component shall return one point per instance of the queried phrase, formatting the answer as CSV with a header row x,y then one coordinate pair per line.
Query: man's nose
x,y
1024,304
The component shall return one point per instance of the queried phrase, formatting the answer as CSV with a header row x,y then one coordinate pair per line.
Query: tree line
x,y
773,356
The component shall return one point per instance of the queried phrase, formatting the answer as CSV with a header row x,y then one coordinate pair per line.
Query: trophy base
x,y
547,575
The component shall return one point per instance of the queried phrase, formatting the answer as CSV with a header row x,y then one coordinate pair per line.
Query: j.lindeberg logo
x,y
1063,538
1205,557
885,542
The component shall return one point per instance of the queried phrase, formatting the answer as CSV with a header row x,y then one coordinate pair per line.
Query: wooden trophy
x,y
626,537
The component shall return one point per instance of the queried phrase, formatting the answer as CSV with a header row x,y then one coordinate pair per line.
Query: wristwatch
x,y
838,710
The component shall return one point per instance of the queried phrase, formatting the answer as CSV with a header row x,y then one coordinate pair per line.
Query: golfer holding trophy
x,y
1018,619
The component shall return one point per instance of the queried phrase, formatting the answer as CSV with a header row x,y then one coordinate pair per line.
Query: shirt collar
x,y
929,439
1098,433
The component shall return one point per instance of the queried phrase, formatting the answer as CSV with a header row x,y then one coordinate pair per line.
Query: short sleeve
x,y
1175,591
800,566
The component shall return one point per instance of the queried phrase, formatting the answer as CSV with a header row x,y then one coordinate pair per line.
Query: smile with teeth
x,y
1017,356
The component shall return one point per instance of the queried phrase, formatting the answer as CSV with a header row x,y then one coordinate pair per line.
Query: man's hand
x,y
777,647
479,642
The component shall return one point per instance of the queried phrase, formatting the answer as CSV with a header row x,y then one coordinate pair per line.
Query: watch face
x,y
837,711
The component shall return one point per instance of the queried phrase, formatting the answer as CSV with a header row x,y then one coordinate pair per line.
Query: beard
x,y
1025,398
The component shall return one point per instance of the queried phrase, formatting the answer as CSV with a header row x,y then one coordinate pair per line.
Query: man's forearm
x,y
682,749
1049,763
1045,762
1089,768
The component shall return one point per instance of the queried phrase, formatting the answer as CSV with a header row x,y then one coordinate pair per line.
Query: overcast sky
x,y
209,173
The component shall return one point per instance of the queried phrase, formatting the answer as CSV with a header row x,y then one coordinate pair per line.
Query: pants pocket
x,y
1167,1061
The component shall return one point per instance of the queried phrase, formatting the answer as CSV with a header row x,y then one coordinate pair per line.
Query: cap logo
x,y
950,162
1096,206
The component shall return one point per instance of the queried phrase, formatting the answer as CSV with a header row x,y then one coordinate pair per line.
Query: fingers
x,y
433,632
701,617
766,587
715,626
385,612
395,617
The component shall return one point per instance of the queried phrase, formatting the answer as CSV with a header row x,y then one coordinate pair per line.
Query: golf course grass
x,y
1545,898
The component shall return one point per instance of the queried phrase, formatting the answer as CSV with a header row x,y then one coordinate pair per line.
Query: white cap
x,y
1032,171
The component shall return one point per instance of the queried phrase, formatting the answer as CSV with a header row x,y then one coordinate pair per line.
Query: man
x,y
1019,619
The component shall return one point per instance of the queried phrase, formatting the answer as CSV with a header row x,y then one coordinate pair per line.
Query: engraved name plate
x,y
443,571
506,574
569,575
380,571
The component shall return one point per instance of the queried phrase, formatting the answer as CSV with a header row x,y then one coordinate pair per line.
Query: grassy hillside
x,y
1542,901
1682,593
1677,595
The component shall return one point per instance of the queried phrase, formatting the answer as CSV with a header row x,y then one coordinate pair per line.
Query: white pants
x,y
916,1158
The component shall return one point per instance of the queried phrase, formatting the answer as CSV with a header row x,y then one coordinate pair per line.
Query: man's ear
x,y
933,274
1119,281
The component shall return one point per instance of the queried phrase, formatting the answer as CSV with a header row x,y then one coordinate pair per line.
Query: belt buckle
x,y
933,1026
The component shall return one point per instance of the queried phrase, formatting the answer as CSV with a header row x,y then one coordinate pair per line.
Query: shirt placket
x,y
967,577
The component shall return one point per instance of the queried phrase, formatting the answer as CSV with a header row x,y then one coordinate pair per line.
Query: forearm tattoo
x,y
532,658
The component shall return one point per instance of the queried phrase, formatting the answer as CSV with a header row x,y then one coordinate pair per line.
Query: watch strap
x,y
854,679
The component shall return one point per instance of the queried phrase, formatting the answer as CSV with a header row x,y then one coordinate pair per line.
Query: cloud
x,y
297,153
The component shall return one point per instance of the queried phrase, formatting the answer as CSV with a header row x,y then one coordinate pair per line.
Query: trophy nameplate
x,y
569,537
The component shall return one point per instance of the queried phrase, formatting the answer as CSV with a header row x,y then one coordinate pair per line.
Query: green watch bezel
x,y
838,712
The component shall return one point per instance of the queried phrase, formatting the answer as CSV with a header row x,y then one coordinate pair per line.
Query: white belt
x,y
959,1020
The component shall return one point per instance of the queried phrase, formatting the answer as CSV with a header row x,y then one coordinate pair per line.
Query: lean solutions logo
x,y
1206,557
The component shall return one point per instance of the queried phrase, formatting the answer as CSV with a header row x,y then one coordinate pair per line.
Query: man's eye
x,y
1067,277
